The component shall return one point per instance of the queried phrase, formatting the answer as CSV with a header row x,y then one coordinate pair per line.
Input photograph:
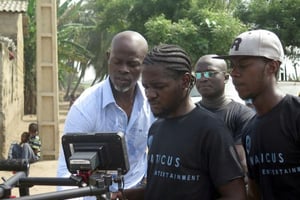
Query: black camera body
x,y
96,151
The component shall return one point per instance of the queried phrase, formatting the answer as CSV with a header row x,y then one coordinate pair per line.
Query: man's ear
x,y
107,54
226,77
186,80
273,66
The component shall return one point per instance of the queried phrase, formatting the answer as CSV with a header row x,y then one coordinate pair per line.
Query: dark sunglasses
x,y
207,74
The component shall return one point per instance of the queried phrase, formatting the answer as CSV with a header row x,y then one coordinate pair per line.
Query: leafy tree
x,y
174,21
180,22
110,17
142,11
223,5
218,27
73,29
204,32
183,33
281,17
30,62
71,49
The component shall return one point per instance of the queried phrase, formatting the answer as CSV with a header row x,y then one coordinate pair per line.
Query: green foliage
x,y
73,31
218,27
183,22
85,29
142,11
108,17
30,61
113,17
281,17
204,32
222,5
183,33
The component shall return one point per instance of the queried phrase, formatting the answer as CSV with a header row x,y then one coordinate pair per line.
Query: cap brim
x,y
223,57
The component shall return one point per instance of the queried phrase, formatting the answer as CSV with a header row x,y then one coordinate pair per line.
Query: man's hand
x,y
129,194
116,195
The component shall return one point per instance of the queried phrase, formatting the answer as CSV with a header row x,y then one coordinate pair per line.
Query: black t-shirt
x,y
236,117
189,157
272,145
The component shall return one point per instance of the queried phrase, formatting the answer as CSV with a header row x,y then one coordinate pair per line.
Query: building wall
x,y
11,82
8,25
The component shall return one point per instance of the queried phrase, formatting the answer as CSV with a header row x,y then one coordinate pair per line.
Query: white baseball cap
x,y
260,43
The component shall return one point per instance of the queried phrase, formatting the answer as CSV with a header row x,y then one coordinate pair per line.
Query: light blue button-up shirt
x,y
96,111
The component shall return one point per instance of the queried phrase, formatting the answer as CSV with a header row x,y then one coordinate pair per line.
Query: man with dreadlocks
x,y
191,153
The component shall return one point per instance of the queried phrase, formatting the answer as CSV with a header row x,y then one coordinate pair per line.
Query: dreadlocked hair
x,y
172,55
173,58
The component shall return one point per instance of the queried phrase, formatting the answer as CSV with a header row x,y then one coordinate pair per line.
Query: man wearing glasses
x,y
211,77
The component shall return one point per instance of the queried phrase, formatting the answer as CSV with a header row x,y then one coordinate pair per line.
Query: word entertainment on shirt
x,y
170,162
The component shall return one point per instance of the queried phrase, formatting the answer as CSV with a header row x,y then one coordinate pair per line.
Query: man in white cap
x,y
272,140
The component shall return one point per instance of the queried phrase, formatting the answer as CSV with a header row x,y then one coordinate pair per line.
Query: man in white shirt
x,y
117,104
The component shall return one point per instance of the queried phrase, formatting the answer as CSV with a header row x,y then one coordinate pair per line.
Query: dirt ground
x,y
45,168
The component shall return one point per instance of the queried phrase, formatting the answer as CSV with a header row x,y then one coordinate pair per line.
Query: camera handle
x,y
95,183
99,187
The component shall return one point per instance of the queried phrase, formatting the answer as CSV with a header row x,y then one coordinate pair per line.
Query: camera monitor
x,y
96,151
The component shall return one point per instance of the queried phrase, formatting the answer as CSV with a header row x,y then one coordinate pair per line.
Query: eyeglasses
x,y
207,74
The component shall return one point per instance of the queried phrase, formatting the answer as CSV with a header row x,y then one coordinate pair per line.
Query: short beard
x,y
121,89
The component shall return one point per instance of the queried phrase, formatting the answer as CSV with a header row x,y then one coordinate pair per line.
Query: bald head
x,y
210,61
128,50
132,39
211,79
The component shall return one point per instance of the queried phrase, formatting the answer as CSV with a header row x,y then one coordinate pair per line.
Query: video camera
x,y
97,151
97,159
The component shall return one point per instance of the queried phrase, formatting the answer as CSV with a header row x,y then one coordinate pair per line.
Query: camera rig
x,y
95,161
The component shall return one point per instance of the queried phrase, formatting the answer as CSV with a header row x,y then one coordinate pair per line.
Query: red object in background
x,y
11,55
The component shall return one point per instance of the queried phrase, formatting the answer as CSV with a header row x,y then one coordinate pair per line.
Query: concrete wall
x,y
11,81
8,24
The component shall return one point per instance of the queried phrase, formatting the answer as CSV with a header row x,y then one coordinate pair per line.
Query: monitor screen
x,y
96,151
